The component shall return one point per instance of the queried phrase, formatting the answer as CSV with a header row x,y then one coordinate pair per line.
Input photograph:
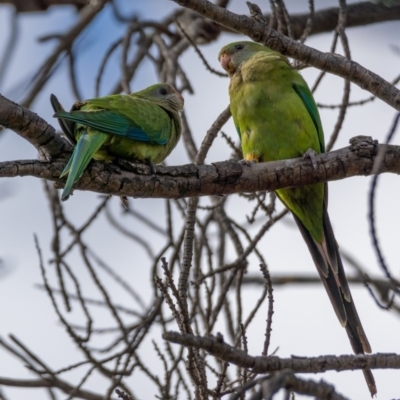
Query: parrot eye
x,y
239,47
163,91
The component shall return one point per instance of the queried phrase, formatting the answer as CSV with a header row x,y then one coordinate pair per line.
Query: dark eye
x,y
239,46
163,91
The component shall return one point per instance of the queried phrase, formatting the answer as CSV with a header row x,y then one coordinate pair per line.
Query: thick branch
x,y
308,279
42,5
270,385
220,178
262,364
261,33
358,14
32,128
51,383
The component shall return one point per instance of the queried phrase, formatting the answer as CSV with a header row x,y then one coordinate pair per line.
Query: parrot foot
x,y
138,166
124,202
112,168
246,163
310,154
125,165
152,167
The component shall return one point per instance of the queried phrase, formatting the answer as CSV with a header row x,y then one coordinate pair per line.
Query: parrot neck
x,y
176,120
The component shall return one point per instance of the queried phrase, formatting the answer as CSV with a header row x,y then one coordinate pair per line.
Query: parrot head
x,y
234,54
164,95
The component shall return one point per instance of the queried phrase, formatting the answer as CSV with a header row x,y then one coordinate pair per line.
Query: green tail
x,y
86,147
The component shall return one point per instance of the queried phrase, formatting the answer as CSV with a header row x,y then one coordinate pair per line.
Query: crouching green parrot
x,y
276,117
144,126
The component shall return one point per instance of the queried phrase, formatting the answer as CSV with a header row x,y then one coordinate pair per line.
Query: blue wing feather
x,y
110,122
308,100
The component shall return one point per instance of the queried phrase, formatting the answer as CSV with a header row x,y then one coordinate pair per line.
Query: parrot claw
x,y
152,167
124,202
112,168
310,153
246,163
125,165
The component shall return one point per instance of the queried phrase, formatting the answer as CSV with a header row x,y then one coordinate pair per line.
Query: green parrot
x,y
276,118
144,126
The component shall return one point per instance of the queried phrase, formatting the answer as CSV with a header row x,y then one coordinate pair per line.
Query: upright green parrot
x,y
276,117
144,126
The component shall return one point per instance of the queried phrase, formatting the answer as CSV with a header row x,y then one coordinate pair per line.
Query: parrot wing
x,y
125,116
113,123
301,88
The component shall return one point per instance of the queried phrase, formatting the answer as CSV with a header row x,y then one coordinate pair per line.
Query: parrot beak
x,y
226,63
182,99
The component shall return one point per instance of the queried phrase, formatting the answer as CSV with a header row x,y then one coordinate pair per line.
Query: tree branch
x,y
261,33
42,5
358,14
262,364
272,383
33,128
51,383
311,279
220,178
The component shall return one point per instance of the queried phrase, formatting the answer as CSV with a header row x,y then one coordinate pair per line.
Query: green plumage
x,y
276,118
144,126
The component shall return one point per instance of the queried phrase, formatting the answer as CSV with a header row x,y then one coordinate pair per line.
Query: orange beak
x,y
181,97
226,63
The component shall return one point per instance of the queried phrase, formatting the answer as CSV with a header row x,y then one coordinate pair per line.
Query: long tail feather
x,y
67,168
338,290
66,126
86,147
